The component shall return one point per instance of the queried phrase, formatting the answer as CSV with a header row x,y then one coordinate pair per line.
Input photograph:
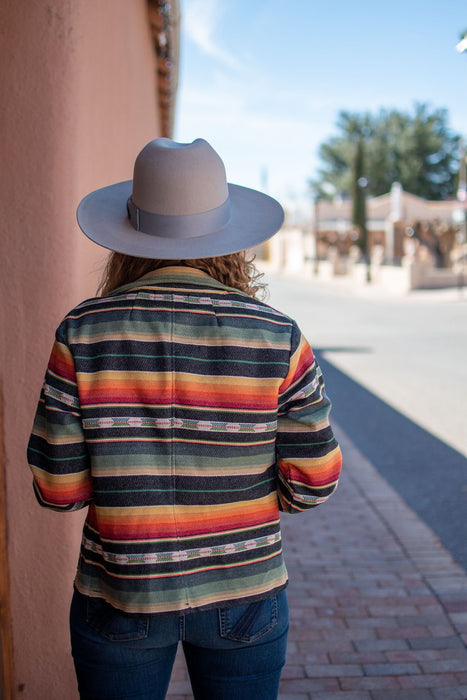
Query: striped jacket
x,y
186,415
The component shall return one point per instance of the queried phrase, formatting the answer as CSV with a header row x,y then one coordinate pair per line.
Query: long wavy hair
x,y
236,270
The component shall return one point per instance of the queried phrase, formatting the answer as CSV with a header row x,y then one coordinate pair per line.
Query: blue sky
x,y
264,80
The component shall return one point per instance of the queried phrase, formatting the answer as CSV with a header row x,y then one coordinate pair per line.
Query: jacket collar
x,y
173,274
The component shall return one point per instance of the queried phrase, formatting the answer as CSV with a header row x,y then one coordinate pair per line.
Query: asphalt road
x,y
396,371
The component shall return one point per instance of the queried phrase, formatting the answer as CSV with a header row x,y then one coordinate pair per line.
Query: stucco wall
x,y
78,103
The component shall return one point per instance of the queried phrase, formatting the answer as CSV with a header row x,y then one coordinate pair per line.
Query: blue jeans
x,y
234,653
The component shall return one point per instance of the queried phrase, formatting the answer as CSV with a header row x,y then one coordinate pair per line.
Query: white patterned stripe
x,y
179,423
183,554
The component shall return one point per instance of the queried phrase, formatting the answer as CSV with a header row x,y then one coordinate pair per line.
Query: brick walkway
x,y
378,608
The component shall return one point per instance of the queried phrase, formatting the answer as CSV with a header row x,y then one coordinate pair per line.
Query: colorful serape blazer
x,y
186,415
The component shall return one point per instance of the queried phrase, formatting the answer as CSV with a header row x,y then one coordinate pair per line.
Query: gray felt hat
x,y
179,205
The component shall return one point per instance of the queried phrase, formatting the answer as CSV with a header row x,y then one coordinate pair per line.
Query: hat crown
x,y
173,178
179,206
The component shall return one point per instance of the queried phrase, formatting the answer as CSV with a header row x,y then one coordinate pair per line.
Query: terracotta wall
x,y
78,102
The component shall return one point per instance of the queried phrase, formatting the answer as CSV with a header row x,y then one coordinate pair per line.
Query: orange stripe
x,y
180,521
57,493
61,362
148,387
302,358
320,473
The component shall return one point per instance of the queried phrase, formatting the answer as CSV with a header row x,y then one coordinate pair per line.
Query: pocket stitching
x,y
227,634
99,618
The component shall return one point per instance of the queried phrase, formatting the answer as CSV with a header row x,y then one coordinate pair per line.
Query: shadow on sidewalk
x,y
427,473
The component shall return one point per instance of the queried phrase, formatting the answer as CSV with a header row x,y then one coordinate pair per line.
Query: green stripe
x,y
305,444
245,488
180,357
56,459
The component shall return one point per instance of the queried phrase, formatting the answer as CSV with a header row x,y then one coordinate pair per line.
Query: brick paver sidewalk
x,y
378,608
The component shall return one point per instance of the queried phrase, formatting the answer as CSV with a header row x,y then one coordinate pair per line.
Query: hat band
x,y
179,225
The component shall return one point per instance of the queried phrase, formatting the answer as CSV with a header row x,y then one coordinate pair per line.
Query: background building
x,y
390,218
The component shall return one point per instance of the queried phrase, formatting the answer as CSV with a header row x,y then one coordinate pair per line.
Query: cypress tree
x,y
359,183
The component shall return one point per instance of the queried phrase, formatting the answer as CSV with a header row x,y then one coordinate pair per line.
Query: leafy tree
x,y
418,150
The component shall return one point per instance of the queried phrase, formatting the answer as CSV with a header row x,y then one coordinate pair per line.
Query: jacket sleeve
x,y
308,457
57,452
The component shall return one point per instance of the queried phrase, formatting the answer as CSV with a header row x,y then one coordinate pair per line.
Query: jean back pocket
x,y
113,624
247,623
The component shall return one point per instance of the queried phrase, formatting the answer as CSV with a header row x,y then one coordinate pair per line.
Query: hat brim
x,y
102,216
